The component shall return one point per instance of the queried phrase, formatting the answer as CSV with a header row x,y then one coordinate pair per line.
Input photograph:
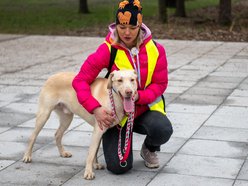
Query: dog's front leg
x,y
95,142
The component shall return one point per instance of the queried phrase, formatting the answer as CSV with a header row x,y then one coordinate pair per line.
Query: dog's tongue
x,y
128,105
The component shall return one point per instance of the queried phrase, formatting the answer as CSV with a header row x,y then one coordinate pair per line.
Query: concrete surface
x,y
207,102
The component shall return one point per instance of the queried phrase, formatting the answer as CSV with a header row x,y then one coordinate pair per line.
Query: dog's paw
x,y
66,154
27,158
89,175
98,166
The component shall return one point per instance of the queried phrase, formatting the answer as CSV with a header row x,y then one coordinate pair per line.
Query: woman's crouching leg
x,y
110,149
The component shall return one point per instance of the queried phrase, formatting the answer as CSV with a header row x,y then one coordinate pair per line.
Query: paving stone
x,y
22,135
187,108
13,150
169,97
103,177
32,82
241,183
245,81
31,98
215,148
50,155
186,124
84,126
185,118
184,131
3,103
182,75
5,163
204,166
10,119
196,99
223,79
168,179
221,133
217,85
243,86
236,101
207,91
52,123
5,81
37,174
20,89
10,97
184,83
240,66
231,74
229,116
3,129
240,92
18,76
194,66
77,138
206,61
187,72
173,145
25,108
243,175
176,90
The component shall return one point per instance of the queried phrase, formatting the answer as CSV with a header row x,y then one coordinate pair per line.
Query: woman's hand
x,y
103,117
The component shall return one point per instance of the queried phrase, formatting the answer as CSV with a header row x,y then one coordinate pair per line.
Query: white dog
x,y
58,94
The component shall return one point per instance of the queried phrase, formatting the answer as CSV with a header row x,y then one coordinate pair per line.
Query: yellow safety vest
x,y
122,62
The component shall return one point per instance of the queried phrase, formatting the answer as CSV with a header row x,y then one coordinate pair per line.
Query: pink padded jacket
x,y
99,60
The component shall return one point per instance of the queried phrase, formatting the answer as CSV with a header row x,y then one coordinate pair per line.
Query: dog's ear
x,y
111,75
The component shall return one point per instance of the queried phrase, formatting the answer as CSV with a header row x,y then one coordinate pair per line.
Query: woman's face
x,y
128,34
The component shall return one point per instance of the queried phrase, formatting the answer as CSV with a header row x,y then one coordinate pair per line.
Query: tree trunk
x,y
180,8
225,12
171,3
83,7
162,11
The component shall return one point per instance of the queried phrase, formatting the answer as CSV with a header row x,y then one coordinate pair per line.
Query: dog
x,y
58,95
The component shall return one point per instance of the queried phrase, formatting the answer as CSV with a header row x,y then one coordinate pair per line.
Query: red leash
x,y
128,137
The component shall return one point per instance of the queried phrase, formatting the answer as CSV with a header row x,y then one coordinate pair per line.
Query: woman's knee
x,y
110,151
161,129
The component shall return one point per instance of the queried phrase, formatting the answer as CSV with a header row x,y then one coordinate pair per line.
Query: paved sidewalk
x,y
207,102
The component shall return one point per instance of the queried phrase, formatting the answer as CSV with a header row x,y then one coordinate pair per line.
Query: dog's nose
x,y
129,92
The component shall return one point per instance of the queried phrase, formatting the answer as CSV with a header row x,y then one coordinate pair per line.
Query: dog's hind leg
x,y
65,121
41,119
96,164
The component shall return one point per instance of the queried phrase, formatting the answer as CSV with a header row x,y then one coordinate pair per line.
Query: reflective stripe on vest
x,y
122,62
152,55
158,105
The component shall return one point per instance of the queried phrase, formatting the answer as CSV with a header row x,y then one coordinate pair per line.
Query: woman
x,y
135,50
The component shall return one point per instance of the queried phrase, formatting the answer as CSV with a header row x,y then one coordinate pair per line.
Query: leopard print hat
x,y
129,13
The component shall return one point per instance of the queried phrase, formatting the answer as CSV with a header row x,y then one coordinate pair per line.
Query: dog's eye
x,y
132,80
119,80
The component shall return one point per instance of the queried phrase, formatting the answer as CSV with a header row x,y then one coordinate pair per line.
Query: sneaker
x,y
151,159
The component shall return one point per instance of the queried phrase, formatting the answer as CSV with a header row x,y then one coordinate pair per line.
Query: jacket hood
x,y
145,30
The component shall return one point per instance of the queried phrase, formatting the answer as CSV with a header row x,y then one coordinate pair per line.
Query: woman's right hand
x,y
103,117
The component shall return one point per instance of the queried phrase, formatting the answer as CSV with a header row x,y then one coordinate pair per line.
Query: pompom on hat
x,y
129,13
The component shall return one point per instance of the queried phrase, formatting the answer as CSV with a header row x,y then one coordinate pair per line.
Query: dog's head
x,y
124,82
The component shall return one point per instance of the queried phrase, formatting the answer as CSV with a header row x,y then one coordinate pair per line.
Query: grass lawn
x,y
56,16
